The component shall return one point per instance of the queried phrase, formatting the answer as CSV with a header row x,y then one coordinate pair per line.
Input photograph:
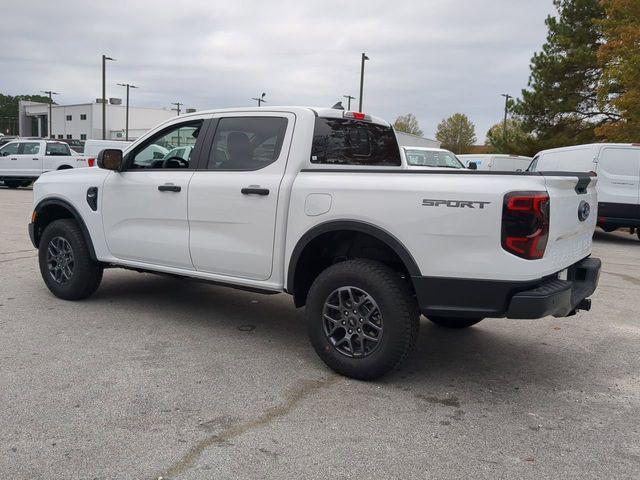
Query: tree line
x,y
584,85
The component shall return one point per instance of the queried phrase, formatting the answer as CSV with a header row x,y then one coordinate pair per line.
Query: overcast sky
x,y
429,57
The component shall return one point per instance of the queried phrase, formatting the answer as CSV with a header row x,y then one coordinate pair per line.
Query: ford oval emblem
x,y
584,209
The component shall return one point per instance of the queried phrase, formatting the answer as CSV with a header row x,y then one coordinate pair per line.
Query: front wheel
x,y
65,264
362,318
454,322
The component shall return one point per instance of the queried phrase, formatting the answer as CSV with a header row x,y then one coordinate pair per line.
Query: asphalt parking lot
x,y
157,377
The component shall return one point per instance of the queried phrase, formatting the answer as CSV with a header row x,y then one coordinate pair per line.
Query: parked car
x,y
618,169
22,161
326,212
94,147
6,139
416,158
497,162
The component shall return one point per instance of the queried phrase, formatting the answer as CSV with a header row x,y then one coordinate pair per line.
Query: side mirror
x,y
472,166
110,159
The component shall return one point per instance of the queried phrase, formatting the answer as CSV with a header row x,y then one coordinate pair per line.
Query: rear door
x,y
233,197
619,172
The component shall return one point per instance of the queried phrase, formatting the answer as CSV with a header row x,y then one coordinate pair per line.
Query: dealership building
x,y
83,121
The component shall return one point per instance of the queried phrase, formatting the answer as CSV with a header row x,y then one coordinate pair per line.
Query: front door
x,y
29,159
144,207
233,198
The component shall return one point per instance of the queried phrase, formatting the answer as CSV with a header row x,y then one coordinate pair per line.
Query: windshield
x,y
432,158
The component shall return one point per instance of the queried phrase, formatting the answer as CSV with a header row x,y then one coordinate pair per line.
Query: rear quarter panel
x,y
444,241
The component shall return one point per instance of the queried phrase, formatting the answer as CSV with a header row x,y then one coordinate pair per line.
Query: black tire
x,y
12,183
454,322
85,276
397,317
26,183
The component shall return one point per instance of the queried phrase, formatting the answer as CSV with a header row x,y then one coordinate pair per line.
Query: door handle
x,y
14,159
35,159
169,188
254,191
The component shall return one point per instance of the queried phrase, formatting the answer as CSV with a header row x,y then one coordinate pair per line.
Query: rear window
x,y
339,141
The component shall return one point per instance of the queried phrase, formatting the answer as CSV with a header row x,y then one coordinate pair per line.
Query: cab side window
x,y
58,149
247,143
169,149
9,149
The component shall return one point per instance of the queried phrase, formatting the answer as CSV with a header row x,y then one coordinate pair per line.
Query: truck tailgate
x,y
573,215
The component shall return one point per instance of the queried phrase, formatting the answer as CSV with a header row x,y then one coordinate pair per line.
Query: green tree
x,y
456,133
408,124
620,58
517,140
561,104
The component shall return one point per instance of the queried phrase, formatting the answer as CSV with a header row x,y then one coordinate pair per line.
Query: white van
x,y
93,147
618,169
497,162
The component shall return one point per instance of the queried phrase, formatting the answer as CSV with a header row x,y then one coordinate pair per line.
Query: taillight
x,y
91,162
357,116
525,224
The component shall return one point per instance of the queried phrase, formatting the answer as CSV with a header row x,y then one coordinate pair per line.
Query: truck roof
x,y
590,146
324,112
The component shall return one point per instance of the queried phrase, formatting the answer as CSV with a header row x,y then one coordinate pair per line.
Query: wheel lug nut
x,y
355,311
361,320
358,330
350,331
344,323
346,313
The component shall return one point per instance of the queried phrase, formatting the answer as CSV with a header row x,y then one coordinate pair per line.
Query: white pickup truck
x,y
24,160
315,202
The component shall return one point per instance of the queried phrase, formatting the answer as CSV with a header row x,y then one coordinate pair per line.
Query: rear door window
x,y
247,143
340,141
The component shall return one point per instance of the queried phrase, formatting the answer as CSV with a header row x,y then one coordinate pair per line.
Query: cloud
x,y
432,58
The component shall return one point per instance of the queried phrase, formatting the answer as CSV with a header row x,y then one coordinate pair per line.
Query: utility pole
x,y
260,99
178,105
349,98
104,95
363,59
126,135
50,93
507,97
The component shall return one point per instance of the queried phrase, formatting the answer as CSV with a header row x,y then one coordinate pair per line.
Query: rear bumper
x,y
556,297
486,298
618,215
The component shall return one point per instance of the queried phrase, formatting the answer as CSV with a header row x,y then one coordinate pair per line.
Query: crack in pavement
x,y
17,258
17,251
293,397
624,276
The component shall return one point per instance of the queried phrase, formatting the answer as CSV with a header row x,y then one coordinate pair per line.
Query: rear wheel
x,y
454,322
65,264
13,183
362,318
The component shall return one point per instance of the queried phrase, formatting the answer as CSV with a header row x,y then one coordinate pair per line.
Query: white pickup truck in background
x,y
23,161
316,202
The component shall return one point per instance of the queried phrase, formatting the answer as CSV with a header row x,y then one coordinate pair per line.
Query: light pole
x,y
507,97
126,122
104,95
364,58
50,93
178,105
260,99
349,98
